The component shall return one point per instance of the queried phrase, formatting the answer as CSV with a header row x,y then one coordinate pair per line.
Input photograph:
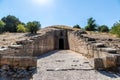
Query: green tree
x,y
91,25
21,28
11,23
77,26
2,24
116,29
103,28
33,27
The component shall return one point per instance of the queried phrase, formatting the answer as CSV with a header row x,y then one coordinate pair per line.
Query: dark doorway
x,y
61,44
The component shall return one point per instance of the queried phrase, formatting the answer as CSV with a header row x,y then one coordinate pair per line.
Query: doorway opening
x,y
61,44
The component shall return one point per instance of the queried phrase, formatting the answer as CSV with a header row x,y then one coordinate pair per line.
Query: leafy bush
x,y
2,24
91,25
77,26
11,23
116,29
21,28
33,27
103,28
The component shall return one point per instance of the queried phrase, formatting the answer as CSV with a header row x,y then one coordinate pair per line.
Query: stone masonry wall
x,y
35,46
43,44
16,62
24,52
98,53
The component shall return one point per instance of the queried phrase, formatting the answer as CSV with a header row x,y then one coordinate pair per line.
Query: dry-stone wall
x,y
100,55
20,59
24,52
43,44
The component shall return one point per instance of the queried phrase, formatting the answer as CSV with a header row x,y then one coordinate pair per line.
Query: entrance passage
x,y
61,44
65,65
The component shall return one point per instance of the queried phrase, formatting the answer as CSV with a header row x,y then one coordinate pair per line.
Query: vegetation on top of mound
x,y
21,28
33,27
116,29
11,23
77,26
91,25
61,27
64,27
103,28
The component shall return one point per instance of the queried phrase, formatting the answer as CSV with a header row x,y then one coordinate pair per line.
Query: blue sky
x,y
62,12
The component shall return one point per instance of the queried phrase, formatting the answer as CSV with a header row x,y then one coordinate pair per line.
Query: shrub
x,y
103,28
2,24
116,29
21,28
77,26
91,25
33,27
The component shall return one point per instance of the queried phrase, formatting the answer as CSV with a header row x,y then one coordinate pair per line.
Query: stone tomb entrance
x,y
61,44
61,40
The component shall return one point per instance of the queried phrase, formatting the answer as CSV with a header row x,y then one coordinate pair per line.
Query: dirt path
x,y
68,65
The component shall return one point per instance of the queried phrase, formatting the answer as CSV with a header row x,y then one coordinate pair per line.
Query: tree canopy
x,y
2,24
33,27
21,28
77,26
91,25
103,28
116,29
11,23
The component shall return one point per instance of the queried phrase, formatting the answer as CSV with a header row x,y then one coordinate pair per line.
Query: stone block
x,y
98,63
118,60
109,50
90,39
109,62
3,49
16,61
15,46
99,45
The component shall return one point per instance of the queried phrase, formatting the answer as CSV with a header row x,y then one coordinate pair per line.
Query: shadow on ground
x,y
47,54
110,73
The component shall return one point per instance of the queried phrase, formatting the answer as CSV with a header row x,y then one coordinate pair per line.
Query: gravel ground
x,y
69,65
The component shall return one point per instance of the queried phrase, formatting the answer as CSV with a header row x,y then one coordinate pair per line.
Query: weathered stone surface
x,y
99,45
15,46
92,48
109,62
98,63
74,67
117,60
18,61
110,50
3,49
53,38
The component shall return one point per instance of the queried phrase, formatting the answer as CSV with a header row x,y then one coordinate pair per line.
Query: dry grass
x,y
10,38
63,27
102,34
